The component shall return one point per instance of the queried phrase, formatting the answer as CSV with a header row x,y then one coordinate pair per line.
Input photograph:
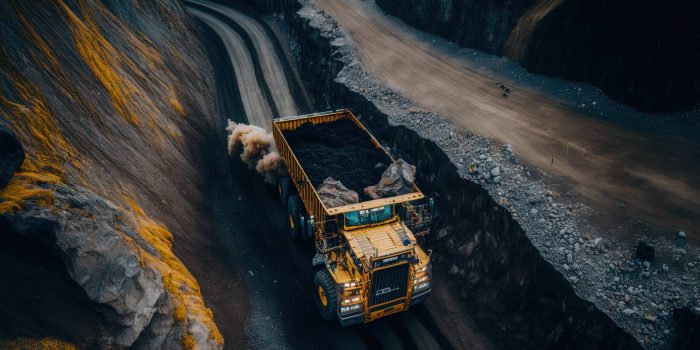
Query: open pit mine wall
x,y
640,53
103,111
505,276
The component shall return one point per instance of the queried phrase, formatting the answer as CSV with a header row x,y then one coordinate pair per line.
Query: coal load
x,y
339,150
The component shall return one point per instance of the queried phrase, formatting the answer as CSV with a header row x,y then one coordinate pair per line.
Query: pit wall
x,y
637,52
502,276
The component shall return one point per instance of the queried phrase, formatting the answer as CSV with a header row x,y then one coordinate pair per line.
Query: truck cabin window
x,y
368,216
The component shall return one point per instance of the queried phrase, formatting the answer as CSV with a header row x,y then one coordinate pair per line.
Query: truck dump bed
x,y
338,149
336,145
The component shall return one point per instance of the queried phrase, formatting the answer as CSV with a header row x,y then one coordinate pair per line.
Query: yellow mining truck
x,y
369,254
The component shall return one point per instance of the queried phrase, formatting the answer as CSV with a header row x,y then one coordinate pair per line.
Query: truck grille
x,y
388,284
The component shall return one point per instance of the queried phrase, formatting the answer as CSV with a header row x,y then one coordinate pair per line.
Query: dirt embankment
x,y
112,109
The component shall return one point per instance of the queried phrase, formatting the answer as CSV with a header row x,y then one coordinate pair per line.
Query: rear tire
x,y
284,186
294,217
326,297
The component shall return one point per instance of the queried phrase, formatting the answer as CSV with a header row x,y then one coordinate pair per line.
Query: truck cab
x,y
369,256
386,267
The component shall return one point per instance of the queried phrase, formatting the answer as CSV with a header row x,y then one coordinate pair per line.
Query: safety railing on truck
x,y
328,237
417,216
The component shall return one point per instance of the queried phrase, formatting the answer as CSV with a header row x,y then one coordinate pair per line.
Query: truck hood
x,y
381,240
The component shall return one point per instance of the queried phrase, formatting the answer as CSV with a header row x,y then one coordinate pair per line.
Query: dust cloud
x,y
259,149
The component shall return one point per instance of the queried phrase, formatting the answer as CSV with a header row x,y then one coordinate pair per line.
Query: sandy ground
x,y
624,173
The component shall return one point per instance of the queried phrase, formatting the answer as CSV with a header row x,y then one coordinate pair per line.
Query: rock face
x,y
89,236
638,52
11,155
485,25
111,106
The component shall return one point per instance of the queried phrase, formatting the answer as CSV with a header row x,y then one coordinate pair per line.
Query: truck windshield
x,y
368,216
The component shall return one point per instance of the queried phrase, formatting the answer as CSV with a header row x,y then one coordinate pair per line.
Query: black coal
x,y
340,150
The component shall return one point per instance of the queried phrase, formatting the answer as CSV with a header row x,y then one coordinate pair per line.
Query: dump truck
x,y
369,254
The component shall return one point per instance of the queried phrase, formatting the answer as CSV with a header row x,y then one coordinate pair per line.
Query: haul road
x,y
371,263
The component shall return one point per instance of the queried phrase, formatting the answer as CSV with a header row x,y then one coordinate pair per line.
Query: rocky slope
x,y
637,52
110,107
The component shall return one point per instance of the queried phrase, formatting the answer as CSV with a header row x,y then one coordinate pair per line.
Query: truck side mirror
x,y
431,206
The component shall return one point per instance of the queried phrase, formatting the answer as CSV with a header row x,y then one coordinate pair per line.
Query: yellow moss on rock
x,y
36,344
102,59
188,342
175,102
177,280
46,150
24,186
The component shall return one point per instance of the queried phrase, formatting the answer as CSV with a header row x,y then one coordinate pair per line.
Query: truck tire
x,y
284,186
294,217
326,297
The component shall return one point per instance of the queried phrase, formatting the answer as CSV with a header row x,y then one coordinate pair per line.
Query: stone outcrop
x,y
91,236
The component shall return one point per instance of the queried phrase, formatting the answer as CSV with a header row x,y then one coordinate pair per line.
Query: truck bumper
x,y
351,319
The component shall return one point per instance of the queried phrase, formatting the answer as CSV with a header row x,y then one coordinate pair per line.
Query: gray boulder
x,y
102,253
334,194
397,179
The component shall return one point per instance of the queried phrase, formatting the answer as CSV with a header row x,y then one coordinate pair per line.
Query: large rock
x,y
102,253
11,155
397,179
334,194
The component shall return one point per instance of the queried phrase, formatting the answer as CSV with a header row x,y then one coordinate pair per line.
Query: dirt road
x,y
254,100
270,61
623,173
277,271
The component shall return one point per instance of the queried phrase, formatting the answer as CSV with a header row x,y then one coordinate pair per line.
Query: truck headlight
x,y
421,286
420,280
351,300
351,308
349,284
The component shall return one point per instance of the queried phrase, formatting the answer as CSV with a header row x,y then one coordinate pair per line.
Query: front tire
x,y
294,217
326,297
